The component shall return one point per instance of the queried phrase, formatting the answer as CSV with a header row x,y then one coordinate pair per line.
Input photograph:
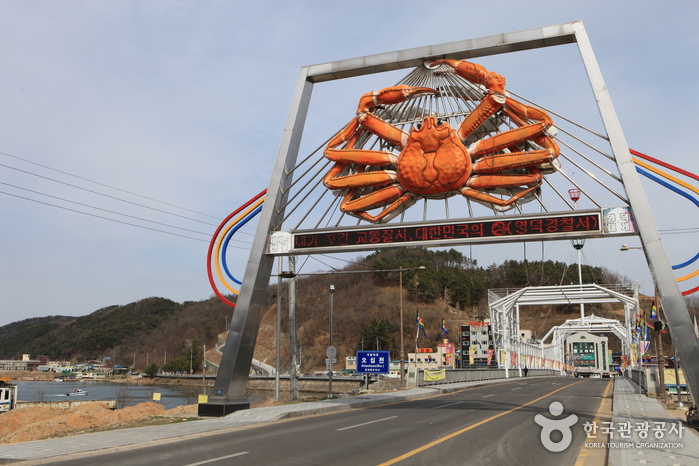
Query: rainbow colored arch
x,y
644,169
219,243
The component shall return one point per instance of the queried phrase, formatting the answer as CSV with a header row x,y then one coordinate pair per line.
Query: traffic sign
x,y
373,362
331,352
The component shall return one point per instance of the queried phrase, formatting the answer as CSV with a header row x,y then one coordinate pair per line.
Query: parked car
x,y
605,375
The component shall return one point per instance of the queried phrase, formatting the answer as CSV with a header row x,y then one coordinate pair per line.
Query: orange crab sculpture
x,y
434,161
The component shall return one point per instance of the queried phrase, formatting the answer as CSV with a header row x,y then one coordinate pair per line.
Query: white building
x,y
588,353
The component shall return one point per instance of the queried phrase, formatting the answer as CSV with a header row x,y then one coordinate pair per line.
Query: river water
x,y
124,394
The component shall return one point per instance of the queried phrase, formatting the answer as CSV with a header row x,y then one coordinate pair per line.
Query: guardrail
x,y
472,375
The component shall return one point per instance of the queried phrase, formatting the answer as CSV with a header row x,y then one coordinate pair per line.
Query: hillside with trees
x,y
163,334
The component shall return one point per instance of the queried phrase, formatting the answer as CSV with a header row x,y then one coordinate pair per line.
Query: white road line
x,y
486,396
220,458
450,404
516,388
366,423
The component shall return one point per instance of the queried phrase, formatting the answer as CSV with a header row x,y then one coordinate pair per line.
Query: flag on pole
x,y
444,328
653,311
421,325
637,333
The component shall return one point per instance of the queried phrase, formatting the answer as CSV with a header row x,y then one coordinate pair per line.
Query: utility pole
x,y
658,327
278,331
293,370
203,374
329,352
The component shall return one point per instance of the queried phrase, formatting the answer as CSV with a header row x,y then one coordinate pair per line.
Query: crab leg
x,y
361,156
490,104
365,120
361,180
387,96
498,204
505,180
391,194
346,157
525,132
479,182
499,162
494,101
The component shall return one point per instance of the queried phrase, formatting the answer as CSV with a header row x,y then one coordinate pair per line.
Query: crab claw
x,y
391,95
474,73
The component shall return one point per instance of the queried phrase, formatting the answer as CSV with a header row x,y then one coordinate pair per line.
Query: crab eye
x,y
440,122
418,126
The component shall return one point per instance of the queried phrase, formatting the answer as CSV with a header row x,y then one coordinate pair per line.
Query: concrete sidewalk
x,y
629,406
654,436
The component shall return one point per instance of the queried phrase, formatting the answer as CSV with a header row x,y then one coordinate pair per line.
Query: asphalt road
x,y
491,425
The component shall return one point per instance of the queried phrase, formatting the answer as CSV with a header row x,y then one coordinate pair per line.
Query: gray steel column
x,y
278,331
231,381
293,345
665,283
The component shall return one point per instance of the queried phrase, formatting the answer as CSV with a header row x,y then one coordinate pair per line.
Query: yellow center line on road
x,y
584,454
466,429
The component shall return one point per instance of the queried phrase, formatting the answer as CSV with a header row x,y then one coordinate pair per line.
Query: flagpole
x,y
417,334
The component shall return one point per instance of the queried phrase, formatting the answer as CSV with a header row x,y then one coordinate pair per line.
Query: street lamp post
x,y
329,353
402,347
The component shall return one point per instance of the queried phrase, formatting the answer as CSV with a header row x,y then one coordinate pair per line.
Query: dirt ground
x,y
28,424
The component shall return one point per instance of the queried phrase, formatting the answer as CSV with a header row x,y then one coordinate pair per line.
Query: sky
x,y
130,129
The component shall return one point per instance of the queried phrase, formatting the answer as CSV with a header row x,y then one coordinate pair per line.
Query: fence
x,y
472,375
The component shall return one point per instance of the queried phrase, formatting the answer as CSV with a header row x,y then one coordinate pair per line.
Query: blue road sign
x,y
373,362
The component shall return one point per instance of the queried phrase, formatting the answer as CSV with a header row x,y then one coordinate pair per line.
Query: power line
x,y
109,219
105,195
105,185
99,208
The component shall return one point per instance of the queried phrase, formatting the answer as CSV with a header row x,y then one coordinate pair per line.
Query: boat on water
x,y
77,392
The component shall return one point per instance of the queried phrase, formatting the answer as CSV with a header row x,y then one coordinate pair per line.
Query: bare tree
x,y
123,396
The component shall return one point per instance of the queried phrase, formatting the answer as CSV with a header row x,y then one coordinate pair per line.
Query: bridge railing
x,y
461,375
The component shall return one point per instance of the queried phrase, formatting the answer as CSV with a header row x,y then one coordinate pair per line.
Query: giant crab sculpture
x,y
434,161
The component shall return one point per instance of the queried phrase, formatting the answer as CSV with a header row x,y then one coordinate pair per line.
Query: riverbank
x,y
129,379
320,386
23,425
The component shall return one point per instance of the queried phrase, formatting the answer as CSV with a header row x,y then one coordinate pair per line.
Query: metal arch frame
x,y
505,322
229,388
591,324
